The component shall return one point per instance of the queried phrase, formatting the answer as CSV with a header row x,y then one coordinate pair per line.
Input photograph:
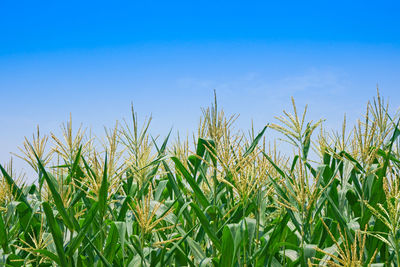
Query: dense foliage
x,y
132,200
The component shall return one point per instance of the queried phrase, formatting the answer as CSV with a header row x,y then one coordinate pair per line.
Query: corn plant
x,y
226,198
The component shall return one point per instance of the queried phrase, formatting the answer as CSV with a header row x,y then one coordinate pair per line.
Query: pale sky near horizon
x,y
93,59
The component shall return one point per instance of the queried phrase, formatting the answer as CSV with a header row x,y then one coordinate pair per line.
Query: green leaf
x,y
307,140
196,249
177,244
124,209
75,165
56,196
15,190
202,146
77,240
14,260
111,243
178,194
27,219
56,233
196,189
160,189
282,173
227,252
206,225
49,255
255,142
3,235
102,258
349,157
121,227
103,191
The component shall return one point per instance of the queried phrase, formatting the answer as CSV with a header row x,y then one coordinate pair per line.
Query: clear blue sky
x,y
92,58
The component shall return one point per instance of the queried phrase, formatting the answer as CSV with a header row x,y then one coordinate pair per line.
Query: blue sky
x,y
94,58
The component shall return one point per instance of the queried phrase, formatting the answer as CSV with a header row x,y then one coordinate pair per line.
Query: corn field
x,y
221,197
